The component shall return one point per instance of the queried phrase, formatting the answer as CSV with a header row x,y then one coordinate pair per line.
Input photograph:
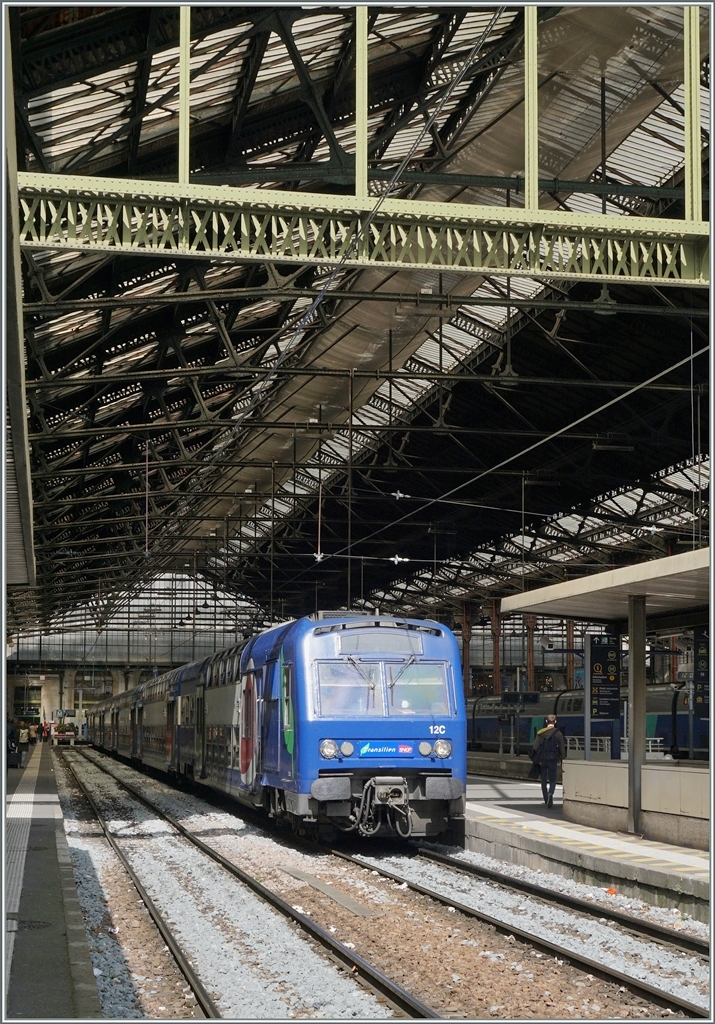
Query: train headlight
x,y
442,748
328,748
347,749
425,748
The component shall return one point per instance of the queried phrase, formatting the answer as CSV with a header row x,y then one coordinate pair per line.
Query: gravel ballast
x,y
670,917
248,956
460,966
670,970
136,975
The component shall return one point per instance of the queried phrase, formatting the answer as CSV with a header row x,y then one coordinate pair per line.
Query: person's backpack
x,y
549,749
24,735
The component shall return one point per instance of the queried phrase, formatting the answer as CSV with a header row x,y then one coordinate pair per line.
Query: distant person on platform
x,y
33,734
23,742
548,752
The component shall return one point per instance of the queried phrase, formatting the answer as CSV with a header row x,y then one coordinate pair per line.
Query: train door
x,y
270,732
170,731
287,721
249,731
140,732
200,736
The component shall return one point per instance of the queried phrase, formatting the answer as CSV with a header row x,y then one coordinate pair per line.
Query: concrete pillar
x,y
570,676
636,706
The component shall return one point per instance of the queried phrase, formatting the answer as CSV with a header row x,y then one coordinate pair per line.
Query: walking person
x,y
45,731
33,734
548,752
23,742
12,755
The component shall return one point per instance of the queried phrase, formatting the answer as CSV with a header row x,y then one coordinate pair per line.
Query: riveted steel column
x,y
18,474
184,71
636,706
531,112
361,103
693,158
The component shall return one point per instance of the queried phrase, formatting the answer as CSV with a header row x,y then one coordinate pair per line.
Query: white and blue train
x,y
666,719
335,721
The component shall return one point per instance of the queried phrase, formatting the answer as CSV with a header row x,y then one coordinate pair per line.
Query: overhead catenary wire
x,y
537,444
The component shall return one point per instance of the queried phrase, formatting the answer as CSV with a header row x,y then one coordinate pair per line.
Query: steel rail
x,y
641,988
650,928
203,998
375,979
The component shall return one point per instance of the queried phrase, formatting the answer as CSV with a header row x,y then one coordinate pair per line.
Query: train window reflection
x,y
381,642
418,689
349,688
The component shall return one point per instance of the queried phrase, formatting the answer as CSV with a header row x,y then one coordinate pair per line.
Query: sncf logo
x,y
404,748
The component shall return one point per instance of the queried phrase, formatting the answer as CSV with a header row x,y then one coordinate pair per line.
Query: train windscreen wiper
x,y
394,679
356,664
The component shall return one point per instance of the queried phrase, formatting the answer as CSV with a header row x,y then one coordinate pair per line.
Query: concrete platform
x,y
508,820
48,971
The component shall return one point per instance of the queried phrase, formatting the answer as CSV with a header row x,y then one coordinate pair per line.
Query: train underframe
x,y
388,802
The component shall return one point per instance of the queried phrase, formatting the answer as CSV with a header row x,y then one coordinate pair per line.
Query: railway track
x,y
203,998
566,953
558,952
400,999
598,910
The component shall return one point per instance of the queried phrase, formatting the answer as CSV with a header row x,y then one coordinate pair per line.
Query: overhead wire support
x,y
693,156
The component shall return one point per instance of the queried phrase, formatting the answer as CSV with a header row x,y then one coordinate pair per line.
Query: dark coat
x,y
545,734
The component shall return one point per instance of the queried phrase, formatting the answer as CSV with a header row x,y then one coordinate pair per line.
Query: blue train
x,y
329,722
666,720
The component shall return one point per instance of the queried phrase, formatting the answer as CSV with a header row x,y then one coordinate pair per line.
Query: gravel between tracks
x,y
248,956
136,975
679,973
461,967
670,917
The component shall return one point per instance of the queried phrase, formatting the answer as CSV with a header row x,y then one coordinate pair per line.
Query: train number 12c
x,y
434,729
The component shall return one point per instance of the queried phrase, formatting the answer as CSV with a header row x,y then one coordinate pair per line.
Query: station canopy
x,y
308,434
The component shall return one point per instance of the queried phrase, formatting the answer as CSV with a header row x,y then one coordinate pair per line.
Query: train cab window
x,y
349,687
417,689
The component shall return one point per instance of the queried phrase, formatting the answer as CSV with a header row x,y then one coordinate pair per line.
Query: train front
x,y
383,740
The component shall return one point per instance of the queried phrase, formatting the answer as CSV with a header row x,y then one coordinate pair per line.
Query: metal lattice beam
x,y
152,218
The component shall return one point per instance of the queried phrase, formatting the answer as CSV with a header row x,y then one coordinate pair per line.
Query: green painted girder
x,y
165,219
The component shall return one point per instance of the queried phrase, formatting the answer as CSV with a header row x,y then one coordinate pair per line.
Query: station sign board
x,y
520,697
605,669
701,671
